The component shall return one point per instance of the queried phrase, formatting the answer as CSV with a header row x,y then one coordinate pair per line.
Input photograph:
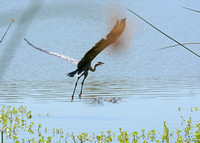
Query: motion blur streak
x,y
114,13
17,36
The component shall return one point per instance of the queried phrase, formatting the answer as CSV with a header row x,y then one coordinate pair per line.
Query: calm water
x,y
142,104
149,84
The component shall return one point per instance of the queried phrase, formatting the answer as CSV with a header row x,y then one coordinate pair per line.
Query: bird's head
x,y
95,65
99,63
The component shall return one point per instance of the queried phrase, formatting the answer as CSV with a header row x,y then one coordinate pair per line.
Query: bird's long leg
x,y
75,88
85,76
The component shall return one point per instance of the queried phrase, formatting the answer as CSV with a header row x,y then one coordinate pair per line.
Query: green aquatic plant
x,y
194,108
197,134
152,135
13,120
179,108
166,134
18,121
135,137
123,137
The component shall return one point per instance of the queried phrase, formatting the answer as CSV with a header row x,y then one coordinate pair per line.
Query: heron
x,y
84,65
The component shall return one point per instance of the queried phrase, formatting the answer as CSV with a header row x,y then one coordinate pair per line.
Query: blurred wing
x,y
73,61
103,43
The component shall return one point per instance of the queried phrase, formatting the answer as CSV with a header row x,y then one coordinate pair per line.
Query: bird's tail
x,y
75,73
71,74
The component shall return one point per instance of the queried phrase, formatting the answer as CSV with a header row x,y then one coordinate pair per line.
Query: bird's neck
x,y
93,68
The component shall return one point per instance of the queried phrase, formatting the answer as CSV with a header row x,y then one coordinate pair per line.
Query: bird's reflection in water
x,y
102,100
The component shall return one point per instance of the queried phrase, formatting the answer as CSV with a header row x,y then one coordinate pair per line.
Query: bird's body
x,y
84,65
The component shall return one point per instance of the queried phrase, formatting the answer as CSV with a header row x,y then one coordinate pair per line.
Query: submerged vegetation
x,y
17,126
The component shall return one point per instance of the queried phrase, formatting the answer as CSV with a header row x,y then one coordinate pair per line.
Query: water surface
x,y
149,84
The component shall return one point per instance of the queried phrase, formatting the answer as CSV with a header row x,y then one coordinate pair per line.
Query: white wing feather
x,y
71,60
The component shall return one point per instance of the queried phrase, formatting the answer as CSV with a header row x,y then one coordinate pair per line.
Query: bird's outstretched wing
x,y
71,60
103,43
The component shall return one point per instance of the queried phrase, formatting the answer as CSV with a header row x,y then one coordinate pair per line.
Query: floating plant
x,y
16,122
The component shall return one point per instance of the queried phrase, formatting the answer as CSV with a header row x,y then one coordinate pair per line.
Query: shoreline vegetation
x,y
18,126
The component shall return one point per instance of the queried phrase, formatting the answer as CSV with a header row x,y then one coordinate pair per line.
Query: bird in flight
x,y
84,65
